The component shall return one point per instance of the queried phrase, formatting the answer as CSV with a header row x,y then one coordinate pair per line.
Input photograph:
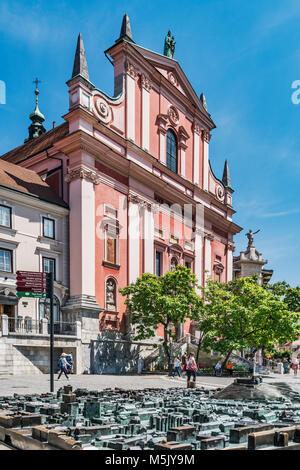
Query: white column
x,y
134,241
130,102
148,241
196,157
198,256
207,248
206,137
145,111
229,264
82,231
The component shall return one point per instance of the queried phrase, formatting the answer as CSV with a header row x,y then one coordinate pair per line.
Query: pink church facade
x,y
135,172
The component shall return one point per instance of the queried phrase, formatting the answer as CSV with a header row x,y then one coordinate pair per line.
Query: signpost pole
x,y
50,293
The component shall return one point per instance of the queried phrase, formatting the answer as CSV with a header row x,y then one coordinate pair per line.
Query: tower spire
x,y
226,176
125,32
80,64
36,128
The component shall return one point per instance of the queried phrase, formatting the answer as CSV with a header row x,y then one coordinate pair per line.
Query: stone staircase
x,y
14,361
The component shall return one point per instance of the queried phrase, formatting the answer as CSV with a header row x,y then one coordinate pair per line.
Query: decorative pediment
x,y
172,72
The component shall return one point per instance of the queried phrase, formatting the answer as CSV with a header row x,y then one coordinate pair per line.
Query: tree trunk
x,y
199,348
226,359
166,347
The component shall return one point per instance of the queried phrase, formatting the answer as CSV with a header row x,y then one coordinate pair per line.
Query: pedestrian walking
x,y
229,367
191,368
177,367
184,361
70,363
218,369
295,366
62,364
286,366
280,367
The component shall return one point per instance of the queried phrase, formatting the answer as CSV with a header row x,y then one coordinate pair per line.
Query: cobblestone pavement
x,y
41,383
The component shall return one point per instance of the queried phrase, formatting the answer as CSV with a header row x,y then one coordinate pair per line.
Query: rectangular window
x,y
5,216
48,228
188,264
158,263
49,266
5,260
111,249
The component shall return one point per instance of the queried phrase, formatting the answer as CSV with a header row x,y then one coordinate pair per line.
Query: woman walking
x,y
177,367
295,366
191,368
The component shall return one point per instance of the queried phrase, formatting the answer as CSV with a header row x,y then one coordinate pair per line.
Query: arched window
x,y
45,309
171,151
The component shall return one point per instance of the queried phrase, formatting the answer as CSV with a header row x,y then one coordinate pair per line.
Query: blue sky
x,y
244,55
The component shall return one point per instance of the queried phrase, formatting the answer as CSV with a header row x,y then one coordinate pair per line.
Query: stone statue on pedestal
x,y
250,237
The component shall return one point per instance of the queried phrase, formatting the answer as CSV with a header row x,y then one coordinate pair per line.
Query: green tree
x,y
242,314
167,300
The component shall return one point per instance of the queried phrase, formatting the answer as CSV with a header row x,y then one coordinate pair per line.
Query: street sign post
x,y
40,286
50,294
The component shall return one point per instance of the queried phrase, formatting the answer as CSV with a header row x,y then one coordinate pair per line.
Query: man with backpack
x,y
63,366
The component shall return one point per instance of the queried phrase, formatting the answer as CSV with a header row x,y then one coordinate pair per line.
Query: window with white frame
x,y
48,227
6,260
49,266
5,216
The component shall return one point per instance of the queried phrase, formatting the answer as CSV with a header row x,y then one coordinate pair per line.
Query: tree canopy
x,y
241,314
166,300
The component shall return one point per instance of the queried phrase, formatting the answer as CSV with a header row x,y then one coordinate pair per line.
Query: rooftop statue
x,y
169,48
250,237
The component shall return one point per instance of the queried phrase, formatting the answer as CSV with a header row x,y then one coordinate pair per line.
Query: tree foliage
x,y
167,300
242,314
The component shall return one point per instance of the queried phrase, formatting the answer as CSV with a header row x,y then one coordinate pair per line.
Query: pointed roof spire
x,y
37,118
226,176
80,64
125,32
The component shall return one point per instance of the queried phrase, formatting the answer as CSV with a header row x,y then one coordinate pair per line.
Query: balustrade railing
x,y
63,328
21,325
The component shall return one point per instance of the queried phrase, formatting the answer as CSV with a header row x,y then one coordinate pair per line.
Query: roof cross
x,y
36,81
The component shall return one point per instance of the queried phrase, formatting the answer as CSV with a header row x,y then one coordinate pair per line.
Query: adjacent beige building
x,y
33,237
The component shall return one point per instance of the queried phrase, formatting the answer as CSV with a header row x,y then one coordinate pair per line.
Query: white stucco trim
x,y
130,107
205,164
162,147
229,265
196,157
148,241
182,161
134,241
198,256
145,118
207,245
